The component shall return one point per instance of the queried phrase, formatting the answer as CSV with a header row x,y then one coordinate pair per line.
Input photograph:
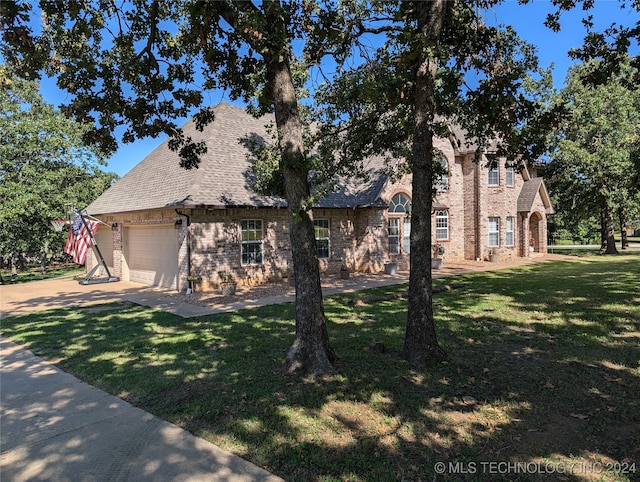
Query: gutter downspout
x,y
476,186
188,239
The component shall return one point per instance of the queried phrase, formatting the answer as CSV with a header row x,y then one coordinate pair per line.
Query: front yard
x,y
543,381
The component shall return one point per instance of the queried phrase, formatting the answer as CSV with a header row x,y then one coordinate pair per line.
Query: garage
x,y
153,255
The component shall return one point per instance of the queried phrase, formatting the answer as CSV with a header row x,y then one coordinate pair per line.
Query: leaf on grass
x,y
579,415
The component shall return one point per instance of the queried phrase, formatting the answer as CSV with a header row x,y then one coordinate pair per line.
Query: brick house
x,y
167,223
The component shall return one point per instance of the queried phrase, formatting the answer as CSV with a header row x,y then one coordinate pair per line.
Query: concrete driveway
x,y
50,294
58,428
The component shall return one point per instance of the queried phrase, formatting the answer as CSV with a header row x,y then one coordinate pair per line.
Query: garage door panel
x,y
153,256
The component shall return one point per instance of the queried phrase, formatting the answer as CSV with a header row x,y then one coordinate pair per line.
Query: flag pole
x,y
101,262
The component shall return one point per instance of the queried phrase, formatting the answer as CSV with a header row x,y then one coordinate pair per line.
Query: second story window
x,y
442,176
510,177
493,177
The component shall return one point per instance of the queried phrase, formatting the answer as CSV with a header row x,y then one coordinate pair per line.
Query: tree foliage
x,y
432,64
143,63
594,169
43,165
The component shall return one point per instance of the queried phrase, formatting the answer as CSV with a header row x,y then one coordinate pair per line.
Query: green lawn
x,y
544,370
33,273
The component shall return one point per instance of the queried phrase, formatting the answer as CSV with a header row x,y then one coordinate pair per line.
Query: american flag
x,y
79,240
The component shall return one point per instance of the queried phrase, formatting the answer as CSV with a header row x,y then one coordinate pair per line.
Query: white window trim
x,y
490,232
396,219
396,207
490,171
406,235
511,231
510,177
248,242
442,183
440,216
328,238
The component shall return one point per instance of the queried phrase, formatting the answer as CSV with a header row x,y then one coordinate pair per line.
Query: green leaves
x,y
593,165
43,165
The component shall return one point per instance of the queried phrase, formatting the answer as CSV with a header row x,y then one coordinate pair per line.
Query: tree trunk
x,y
311,352
622,218
609,230
421,344
603,226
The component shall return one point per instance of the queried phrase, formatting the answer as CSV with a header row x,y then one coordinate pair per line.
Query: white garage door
x,y
153,255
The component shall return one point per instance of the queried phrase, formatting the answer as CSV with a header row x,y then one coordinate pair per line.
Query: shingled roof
x,y
224,178
527,197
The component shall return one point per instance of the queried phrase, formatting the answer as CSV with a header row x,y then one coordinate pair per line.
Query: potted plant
x,y
391,267
437,254
227,283
344,272
192,279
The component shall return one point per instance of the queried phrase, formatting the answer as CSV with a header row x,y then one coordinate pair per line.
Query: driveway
x,y
66,292
50,294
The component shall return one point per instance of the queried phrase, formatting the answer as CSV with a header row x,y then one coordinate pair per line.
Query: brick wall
x,y
358,237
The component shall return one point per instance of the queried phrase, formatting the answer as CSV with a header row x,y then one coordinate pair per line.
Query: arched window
x,y
399,226
400,203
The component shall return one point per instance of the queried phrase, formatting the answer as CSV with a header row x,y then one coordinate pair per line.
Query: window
x,y
509,239
400,204
442,180
442,225
406,231
252,247
394,235
510,179
493,178
321,227
494,232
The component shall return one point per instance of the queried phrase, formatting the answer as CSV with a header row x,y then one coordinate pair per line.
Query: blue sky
x,y
528,20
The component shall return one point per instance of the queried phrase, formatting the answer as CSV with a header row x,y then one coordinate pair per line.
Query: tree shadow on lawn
x,y
528,381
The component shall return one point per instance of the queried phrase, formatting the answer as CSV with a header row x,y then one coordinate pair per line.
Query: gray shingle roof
x,y
224,177
528,194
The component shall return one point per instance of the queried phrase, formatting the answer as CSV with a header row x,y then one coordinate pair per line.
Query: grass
x,y
544,370
33,273
567,247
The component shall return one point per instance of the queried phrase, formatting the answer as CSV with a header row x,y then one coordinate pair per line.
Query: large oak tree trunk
x,y
311,352
421,344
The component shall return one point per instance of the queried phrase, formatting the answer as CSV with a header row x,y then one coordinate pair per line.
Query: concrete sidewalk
x,y
57,428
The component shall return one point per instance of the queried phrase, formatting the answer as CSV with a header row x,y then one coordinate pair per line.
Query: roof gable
x,y
530,189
